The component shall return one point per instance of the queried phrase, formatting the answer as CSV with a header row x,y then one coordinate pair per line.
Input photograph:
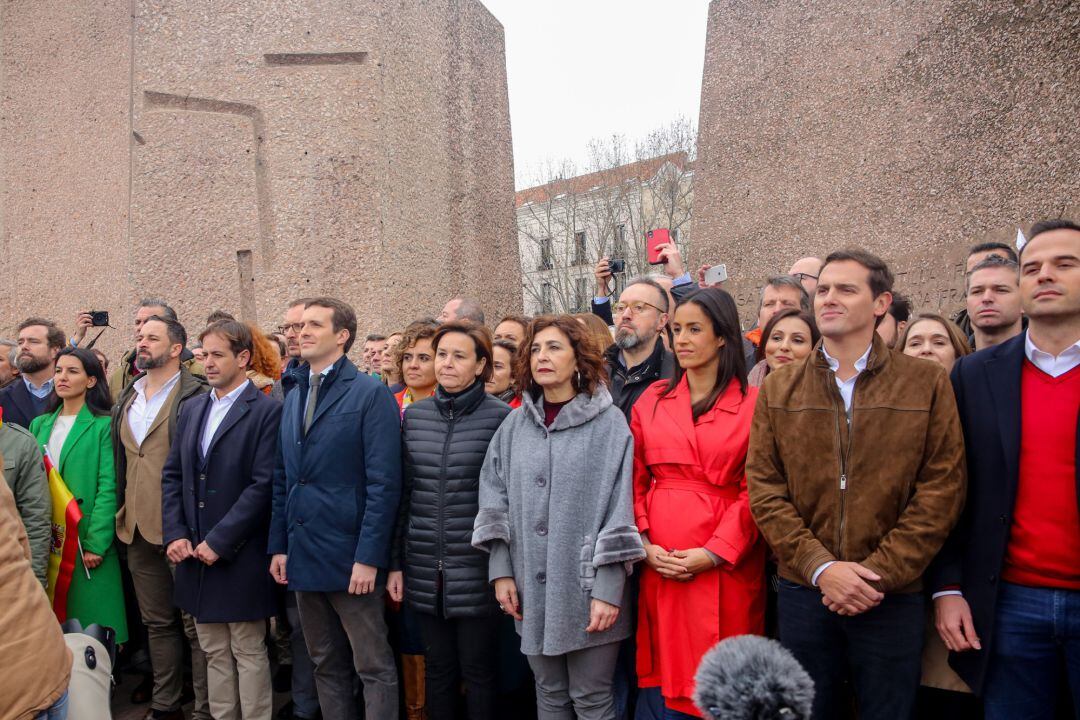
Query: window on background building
x,y
546,255
580,251
619,249
545,299
581,295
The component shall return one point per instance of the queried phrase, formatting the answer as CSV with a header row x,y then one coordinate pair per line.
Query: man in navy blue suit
x,y
215,495
336,491
1007,582
39,342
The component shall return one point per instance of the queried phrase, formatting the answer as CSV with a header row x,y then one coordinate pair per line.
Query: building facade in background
x,y
565,226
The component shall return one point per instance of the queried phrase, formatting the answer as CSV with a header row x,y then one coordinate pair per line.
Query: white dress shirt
x,y
847,390
1052,365
847,387
143,410
219,408
60,431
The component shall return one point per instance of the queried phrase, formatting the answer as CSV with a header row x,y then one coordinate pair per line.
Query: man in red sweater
x,y
1007,582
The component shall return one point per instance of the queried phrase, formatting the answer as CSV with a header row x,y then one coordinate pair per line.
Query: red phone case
x,y
656,237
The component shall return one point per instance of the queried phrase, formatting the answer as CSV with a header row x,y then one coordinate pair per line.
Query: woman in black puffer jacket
x,y
445,439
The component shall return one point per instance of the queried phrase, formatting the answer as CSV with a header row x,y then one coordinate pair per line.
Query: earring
x,y
577,379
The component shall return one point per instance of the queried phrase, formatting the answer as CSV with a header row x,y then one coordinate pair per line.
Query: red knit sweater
x,y
1044,544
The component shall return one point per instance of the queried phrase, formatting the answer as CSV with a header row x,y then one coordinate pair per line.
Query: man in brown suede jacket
x,y
856,477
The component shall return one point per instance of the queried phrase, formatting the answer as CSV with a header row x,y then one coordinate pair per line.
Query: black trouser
x,y
462,648
879,650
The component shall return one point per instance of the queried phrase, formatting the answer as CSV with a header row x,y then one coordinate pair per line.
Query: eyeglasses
x,y
295,327
635,308
802,276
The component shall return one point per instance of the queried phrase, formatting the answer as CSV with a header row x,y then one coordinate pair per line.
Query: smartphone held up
x,y
653,240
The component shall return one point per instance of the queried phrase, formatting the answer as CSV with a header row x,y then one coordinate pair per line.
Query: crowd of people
x,y
891,493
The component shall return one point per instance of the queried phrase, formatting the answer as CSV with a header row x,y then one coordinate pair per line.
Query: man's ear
x,y
882,303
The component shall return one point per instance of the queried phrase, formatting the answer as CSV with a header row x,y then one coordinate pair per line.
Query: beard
x,y
628,339
30,364
149,362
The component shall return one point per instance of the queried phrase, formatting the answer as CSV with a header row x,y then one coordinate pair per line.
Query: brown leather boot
x,y
412,670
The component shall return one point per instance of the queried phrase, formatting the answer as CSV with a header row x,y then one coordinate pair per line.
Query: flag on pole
x,y
63,554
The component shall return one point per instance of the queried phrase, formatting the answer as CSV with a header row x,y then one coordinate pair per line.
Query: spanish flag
x,y
63,555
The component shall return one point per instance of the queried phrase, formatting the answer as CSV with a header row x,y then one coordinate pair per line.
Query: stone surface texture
x,y
236,154
911,128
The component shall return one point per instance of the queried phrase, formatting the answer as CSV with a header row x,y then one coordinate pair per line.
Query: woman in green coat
x,y
77,435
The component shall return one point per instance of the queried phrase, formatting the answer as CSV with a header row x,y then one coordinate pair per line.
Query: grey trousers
x,y
578,684
304,695
347,633
152,576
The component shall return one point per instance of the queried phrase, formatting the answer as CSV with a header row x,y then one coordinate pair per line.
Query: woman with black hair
x,y
76,432
705,574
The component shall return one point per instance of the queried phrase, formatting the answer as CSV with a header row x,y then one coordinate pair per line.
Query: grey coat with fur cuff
x,y
556,514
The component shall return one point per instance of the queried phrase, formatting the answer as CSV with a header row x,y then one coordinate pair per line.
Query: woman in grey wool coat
x,y
556,516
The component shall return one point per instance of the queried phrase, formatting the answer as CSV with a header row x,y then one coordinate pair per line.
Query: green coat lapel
x,y
83,422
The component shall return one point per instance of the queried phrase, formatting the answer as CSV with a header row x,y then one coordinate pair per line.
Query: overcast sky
x,y
584,69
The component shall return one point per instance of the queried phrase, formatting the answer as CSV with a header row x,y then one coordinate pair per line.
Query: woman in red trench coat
x,y
704,579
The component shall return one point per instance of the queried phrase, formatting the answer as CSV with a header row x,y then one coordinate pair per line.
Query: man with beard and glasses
x,y
638,358
290,328
39,342
143,425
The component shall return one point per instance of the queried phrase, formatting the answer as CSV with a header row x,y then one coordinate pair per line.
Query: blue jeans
x,y
1036,635
650,706
58,711
878,651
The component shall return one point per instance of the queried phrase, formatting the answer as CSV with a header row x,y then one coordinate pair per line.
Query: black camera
x,y
99,318
617,266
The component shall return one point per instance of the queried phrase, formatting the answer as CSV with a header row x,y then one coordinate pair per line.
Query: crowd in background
x,y
560,515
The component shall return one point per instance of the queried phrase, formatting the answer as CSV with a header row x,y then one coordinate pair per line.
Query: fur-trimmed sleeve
x,y
618,540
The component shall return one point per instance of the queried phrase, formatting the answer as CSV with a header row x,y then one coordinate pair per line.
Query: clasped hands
x,y
845,590
681,565
180,550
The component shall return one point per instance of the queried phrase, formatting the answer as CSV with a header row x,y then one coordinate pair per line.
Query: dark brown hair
x,y
480,336
344,317
881,278
720,308
806,317
54,336
592,371
418,330
237,334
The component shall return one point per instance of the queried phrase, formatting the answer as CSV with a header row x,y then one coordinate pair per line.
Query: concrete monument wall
x,y
914,129
238,154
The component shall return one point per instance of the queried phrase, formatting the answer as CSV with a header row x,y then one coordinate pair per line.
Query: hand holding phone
x,y
653,239
715,275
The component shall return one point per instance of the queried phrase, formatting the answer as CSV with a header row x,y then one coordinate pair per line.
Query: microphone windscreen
x,y
748,677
